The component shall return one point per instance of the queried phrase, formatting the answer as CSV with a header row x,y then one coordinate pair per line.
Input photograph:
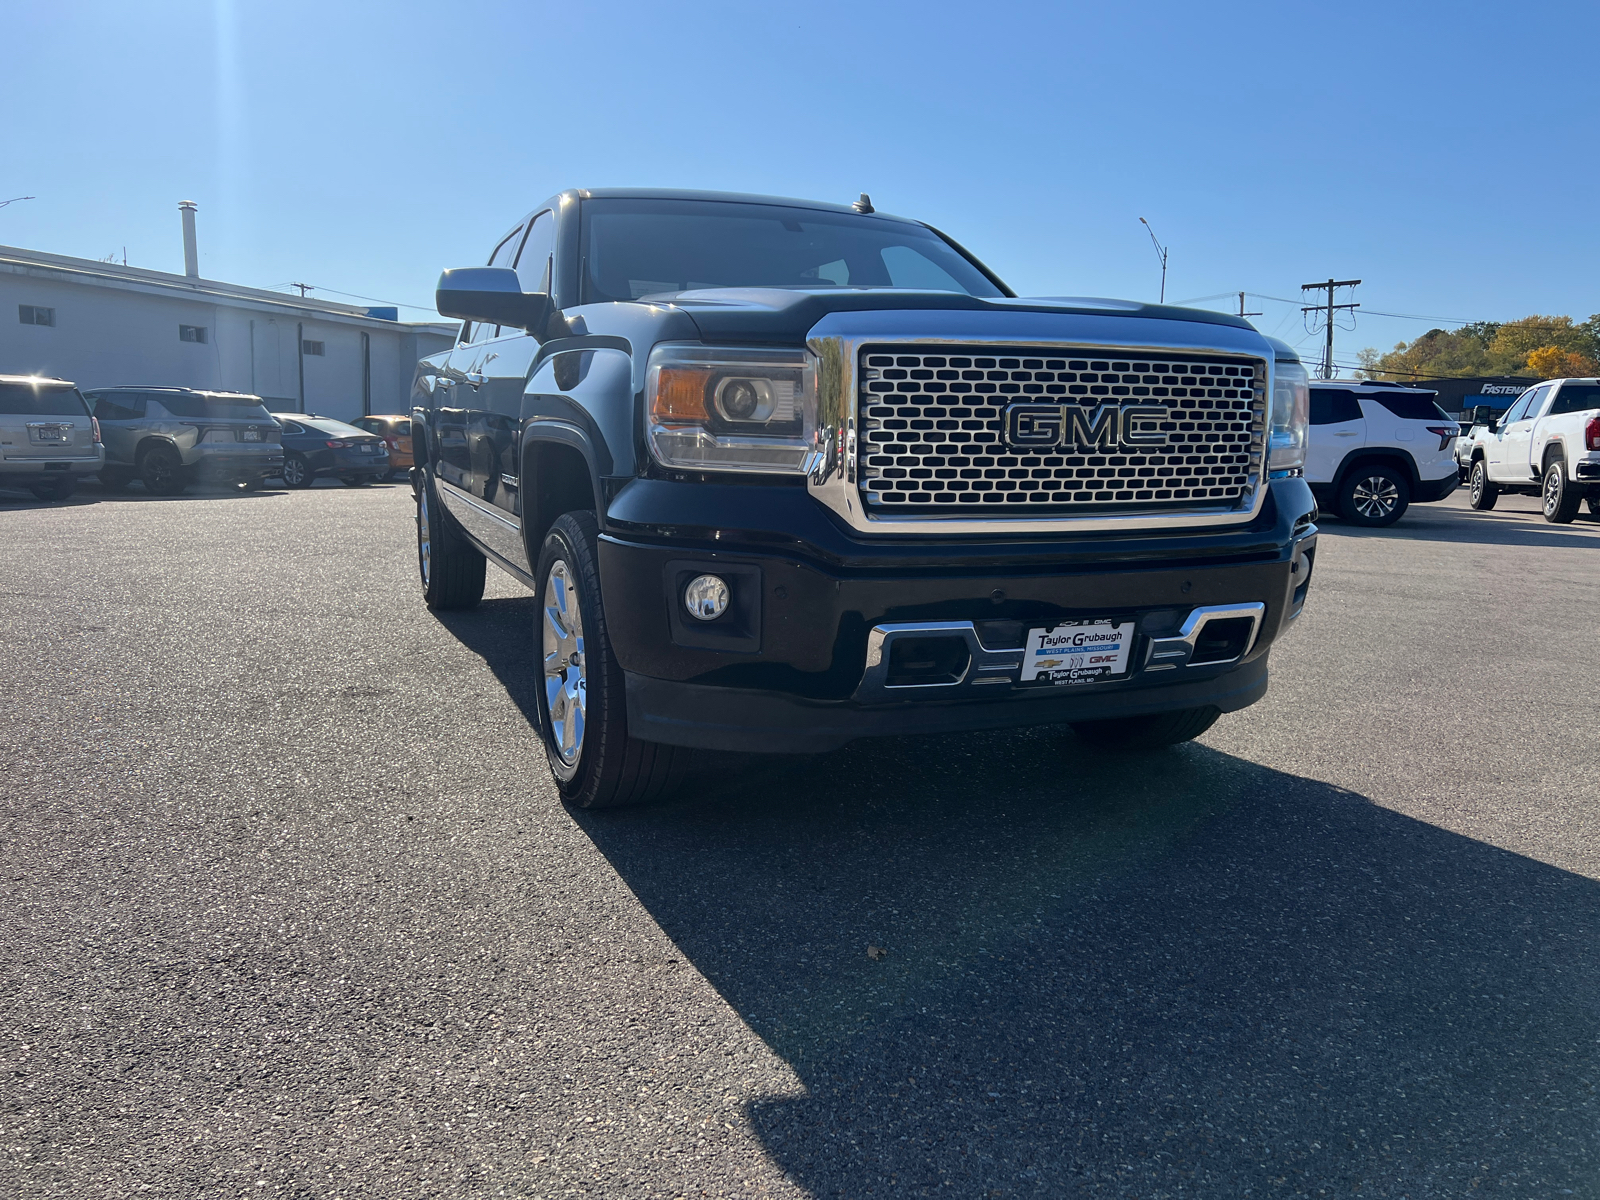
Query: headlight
x,y
726,409
1291,416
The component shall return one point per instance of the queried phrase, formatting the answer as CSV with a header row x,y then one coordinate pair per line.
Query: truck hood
x,y
788,314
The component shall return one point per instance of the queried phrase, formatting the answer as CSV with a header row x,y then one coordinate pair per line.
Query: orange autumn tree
x,y
1553,362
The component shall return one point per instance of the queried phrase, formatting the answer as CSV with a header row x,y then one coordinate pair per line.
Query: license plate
x,y
251,435
51,433
366,447
1078,652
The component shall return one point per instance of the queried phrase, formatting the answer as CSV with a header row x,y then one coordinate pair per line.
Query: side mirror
x,y
1493,425
492,295
1482,414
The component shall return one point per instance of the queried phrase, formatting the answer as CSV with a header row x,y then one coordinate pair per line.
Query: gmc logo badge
x,y
1072,426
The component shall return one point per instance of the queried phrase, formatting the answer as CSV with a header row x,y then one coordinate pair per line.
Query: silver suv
x,y
48,440
171,437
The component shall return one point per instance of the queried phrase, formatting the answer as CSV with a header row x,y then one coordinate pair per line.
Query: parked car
x,y
170,437
314,446
49,441
1547,445
396,431
1375,448
785,474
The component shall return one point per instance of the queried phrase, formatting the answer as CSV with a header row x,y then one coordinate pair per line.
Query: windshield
x,y
30,400
640,247
219,408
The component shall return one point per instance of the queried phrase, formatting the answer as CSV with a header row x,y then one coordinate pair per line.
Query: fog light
x,y
706,597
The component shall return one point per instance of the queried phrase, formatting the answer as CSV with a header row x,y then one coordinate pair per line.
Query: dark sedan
x,y
314,446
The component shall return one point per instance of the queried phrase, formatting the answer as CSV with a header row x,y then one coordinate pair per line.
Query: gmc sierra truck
x,y
784,474
1547,444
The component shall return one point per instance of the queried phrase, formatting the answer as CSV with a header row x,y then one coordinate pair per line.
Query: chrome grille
x,y
932,430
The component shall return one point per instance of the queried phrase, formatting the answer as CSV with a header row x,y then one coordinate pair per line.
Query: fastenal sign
x,y
1076,427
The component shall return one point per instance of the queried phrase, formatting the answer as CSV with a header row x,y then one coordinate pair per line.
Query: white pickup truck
x,y
1547,444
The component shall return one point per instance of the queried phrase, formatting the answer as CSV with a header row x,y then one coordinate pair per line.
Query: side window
x,y
1576,397
533,264
118,406
1535,403
1518,408
1333,406
503,256
289,427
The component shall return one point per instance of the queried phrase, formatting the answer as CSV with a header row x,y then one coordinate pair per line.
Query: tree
x,y
1552,362
1491,348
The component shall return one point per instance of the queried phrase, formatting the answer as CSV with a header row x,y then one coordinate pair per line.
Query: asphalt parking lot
x,y
290,907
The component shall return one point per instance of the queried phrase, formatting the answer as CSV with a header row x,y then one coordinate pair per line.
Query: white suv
x,y
1376,447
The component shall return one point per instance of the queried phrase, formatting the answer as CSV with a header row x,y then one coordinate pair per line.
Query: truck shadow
x,y
1141,975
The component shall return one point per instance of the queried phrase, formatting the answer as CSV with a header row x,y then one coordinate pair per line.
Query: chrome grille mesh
x,y
932,423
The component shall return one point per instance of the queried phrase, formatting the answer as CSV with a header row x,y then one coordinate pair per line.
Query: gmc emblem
x,y
1074,427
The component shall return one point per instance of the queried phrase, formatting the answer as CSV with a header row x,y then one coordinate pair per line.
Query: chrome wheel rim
x,y
565,668
292,471
1477,484
1375,496
1552,491
424,539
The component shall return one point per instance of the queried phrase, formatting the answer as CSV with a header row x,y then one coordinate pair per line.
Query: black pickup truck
x,y
785,474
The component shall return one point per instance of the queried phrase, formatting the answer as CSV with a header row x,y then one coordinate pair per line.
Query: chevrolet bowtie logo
x,y
1075,427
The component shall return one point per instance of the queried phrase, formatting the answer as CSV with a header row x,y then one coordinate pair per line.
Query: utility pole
x,y
304,288
1328,309
1242,312
1161,253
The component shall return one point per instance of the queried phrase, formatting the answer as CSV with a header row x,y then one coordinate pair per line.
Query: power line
x,y
1330,308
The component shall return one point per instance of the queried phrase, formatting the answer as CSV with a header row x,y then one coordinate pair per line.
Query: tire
x,y
1559,499
1148,732
58,489
1594,506
1374,496
596,763
114,479
161,470
296,471
451,568
1481,493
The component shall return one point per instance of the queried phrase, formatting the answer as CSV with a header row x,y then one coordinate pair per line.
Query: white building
x,y
100,324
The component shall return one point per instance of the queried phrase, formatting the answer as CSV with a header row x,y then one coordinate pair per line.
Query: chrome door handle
x,y
1340,433
476,378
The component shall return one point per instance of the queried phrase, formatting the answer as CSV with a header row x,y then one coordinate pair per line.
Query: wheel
x,y
162,471
1374,496
296,471
355,480
1481,493
1148,732
451,567
1594,506
1560,498
114,479
57,489
583,708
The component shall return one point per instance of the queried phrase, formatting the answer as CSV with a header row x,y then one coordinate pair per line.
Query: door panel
x,y
1327,446
452,462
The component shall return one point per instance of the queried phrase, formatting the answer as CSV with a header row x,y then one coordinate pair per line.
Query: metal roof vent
x,y
191,255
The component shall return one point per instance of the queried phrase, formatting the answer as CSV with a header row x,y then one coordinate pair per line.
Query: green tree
x,y
1486,348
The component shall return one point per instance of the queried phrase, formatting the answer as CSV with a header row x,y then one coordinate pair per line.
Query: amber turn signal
x,y
680,394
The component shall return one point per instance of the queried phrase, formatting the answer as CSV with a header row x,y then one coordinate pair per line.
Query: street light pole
x,y
14,199
1161,253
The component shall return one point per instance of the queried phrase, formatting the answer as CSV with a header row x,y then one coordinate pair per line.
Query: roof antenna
x,y
864,205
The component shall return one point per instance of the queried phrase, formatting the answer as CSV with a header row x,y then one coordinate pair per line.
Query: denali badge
x,y
1074,427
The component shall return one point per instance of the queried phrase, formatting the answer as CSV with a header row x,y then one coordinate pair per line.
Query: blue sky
x,y
1443,153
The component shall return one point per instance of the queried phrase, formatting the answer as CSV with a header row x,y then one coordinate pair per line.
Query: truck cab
x,y
1546,444
784,474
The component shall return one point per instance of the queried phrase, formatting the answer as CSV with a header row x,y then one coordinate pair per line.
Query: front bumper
x,y
785,670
